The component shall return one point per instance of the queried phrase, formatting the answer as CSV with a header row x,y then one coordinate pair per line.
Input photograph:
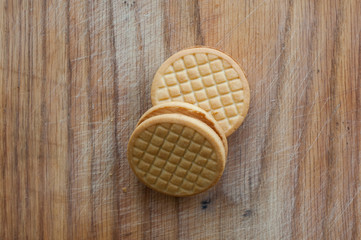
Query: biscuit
x,y
176,154
207,78
188,110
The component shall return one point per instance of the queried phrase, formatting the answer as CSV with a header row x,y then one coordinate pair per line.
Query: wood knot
x,y
205,203
247,213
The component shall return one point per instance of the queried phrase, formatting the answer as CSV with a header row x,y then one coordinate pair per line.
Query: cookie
x,y
176,154
188,110
207,78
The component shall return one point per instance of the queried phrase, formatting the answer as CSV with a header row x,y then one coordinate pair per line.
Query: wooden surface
x,y
75,78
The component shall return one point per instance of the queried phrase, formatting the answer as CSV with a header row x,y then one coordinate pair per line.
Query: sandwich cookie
x,y
176,150
188,110
206,78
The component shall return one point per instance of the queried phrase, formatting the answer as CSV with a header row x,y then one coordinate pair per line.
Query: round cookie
x,y
188,110
207,78
176,154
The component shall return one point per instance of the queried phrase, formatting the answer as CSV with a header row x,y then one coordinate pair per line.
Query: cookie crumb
x,y
124,189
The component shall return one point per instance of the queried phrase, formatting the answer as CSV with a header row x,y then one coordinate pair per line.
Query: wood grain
x,y
75,78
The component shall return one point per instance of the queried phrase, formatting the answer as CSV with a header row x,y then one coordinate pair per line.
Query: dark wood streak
x,y
29,104
117,151
90,113
70,131
17,192
166,28
355,230
141,69
44,120
4,164
147,217
197,20
177,207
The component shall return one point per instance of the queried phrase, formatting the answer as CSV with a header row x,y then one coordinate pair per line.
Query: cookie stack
x,y
179,147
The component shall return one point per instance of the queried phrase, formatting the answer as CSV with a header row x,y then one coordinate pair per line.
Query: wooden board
x,y
75,78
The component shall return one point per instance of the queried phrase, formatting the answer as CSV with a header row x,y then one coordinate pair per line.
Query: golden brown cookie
x,y
188,110
207,78
176,154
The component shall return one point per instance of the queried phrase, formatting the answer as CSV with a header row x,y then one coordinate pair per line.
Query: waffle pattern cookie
x,y
188,110
207,78
176,154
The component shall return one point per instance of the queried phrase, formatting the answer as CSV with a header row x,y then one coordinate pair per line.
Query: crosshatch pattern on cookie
x,y
175,159
208,81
